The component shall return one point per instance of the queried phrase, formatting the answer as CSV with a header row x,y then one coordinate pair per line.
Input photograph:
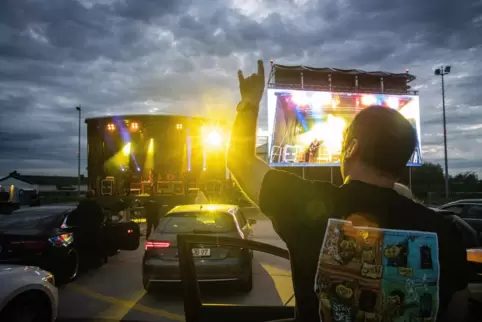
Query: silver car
x,y
213,264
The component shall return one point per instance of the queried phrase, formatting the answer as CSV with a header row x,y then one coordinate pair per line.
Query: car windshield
x,y
28,220
203,222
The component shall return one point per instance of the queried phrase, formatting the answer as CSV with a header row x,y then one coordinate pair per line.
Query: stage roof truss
x,y
339,80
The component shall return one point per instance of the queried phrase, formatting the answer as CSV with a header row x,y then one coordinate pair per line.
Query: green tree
x,y
428,177
465,182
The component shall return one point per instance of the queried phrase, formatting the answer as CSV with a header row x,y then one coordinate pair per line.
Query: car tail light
x,y
61,240
150,244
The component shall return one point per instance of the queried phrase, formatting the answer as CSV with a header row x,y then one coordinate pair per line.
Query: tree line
x,y
428,182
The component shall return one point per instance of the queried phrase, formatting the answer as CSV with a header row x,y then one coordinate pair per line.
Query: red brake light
x,y
156,244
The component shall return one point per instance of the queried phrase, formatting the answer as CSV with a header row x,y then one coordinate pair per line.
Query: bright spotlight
x,y
368,100
213,138
393,102
126,150
110,127
134,126
179,126
150,148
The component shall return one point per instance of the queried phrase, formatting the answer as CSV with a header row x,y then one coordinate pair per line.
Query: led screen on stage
x,y
306,127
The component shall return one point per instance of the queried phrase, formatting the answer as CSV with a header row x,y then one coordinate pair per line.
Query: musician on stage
x,y
128,181
312,151
153,181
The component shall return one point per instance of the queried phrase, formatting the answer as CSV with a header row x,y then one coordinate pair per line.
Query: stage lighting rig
x,y
111,127
134,126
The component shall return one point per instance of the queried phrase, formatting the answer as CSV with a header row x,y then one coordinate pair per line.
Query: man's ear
x,y
351,149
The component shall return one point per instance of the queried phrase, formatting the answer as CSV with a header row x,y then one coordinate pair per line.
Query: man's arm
x,y
246,168
278,193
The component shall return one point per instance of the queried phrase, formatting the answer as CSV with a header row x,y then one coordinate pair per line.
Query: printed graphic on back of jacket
x,y
371,274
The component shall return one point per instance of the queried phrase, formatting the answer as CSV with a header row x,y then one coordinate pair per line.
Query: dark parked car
x,y
213,264
39,236
470,210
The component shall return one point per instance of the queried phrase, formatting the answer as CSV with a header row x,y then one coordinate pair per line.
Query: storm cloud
x,y
181,56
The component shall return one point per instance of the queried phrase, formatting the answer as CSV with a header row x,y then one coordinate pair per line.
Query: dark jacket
x,y
152,211
88,216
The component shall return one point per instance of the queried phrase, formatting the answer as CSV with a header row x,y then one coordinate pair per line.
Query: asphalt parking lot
x,y
115,292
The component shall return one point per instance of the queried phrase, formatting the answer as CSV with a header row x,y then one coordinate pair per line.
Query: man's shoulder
x,y
275,176
291,200
277,183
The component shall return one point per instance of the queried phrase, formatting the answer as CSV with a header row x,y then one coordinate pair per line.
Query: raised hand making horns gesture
x,y
251,87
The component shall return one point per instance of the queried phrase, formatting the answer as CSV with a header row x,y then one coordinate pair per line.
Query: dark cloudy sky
x,y
180,56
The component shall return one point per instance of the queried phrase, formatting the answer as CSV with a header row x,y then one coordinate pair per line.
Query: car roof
x,y
54,210
204,208
463,201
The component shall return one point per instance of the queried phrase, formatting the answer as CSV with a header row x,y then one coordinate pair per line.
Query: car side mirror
x,y
251,221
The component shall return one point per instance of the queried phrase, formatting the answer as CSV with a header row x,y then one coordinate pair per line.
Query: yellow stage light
x,y
150,149
126,150
134,126
179,126
110,127
213,138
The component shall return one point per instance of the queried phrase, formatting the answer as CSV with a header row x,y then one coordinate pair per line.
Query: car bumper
x,y
225,270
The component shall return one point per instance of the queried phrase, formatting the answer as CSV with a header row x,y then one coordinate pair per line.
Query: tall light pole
x,y
442,71
79,109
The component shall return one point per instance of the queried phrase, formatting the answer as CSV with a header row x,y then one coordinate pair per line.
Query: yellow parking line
x,y
117,312
126,304
282,281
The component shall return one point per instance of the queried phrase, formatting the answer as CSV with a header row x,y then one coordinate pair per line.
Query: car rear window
x,y
197,222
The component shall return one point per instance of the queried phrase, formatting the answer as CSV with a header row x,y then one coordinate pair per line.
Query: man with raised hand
x,y
375,150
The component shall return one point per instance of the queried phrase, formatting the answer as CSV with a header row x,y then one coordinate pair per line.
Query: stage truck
x,y
131,157
309,109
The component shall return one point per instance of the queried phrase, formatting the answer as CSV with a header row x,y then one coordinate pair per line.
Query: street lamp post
x,y
79,109
442,71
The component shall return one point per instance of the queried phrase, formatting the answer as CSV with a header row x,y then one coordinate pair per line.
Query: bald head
x,y
385,140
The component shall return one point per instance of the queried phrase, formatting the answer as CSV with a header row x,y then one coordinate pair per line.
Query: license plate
x,y
201,252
